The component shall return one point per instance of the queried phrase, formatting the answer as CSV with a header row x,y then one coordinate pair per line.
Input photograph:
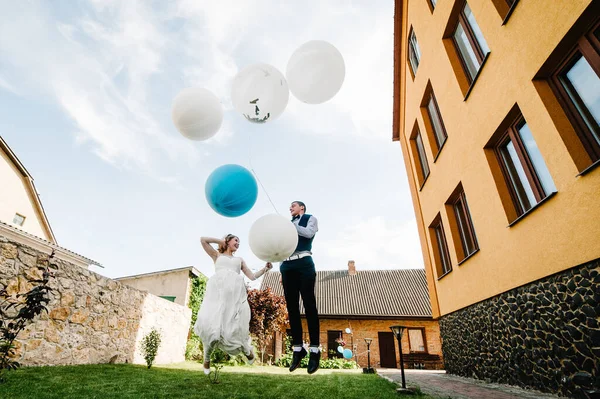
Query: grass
x,y
186,380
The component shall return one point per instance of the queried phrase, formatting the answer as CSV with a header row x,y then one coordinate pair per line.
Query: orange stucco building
x,y
497,111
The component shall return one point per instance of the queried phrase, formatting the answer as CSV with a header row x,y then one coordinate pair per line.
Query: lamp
x,y
398,331
368,370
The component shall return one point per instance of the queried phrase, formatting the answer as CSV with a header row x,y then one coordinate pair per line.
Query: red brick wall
x,y
362,329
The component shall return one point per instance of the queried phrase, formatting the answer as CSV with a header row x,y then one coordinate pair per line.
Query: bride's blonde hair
x,y
226,239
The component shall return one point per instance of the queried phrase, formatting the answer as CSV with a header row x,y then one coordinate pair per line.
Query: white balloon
x,y
197,113
315,72
348,331
260,93
273,238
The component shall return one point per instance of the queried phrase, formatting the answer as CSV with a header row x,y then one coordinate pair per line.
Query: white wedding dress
x,y
224,316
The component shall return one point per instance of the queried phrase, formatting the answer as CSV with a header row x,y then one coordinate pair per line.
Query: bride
x,y
224,317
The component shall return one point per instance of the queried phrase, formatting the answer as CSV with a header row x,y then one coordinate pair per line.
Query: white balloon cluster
x,y
315,73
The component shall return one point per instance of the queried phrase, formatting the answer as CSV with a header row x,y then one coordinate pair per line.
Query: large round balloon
x,y
260,93
197,113
347,354
273,238
315,72
231,190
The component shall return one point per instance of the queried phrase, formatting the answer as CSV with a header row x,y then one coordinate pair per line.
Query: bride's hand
x,y
269,266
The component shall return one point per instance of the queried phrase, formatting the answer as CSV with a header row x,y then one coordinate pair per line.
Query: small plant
x,y
217,360
150,344
16,312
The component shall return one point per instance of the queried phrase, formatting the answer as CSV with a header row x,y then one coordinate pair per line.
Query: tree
x,y
269,314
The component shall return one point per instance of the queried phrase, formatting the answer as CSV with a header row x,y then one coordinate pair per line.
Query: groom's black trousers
x,y
298,278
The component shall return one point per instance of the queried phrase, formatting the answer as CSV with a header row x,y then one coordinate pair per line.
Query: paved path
x,y
441,385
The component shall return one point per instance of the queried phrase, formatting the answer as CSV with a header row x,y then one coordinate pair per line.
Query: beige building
x,y
20,204
497,112
174,285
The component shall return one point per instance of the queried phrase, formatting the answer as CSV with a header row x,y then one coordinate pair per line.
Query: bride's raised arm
x,y
206,241
253,276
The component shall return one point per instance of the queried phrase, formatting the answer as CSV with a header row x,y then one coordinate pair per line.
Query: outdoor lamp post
x,y
368,370
398,331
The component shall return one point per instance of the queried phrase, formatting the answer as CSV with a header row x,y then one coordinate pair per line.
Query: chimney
x,y
351,268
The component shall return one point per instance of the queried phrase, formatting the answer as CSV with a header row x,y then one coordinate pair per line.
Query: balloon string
x,y
255,174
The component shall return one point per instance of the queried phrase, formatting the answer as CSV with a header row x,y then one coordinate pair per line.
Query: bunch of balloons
x,y
260,92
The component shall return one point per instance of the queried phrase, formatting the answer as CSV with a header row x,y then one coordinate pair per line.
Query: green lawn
x,y
187,381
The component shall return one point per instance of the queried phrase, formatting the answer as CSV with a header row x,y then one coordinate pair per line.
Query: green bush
x,y
286,360
150,344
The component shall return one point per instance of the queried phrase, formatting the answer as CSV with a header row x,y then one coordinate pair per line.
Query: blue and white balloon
x,y
231,190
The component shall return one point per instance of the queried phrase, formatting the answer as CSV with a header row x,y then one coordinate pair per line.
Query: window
x,y
440,247
168,298
333,338
576,83
414,53
437,125
416,340
462,225
470,43
525,172
419,149
505,8
19,219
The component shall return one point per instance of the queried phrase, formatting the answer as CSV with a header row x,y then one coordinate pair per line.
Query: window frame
x,y
512,134
17,214
588,47
440,247
423,336
458,202
423,162
481,57
413,53
431,98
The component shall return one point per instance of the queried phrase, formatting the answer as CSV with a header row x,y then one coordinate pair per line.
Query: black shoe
x,y
313,362
297,358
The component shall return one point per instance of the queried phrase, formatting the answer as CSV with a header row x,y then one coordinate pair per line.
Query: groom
x,y
298,278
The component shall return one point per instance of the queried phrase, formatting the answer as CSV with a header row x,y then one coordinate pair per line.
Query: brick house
x,y
366,303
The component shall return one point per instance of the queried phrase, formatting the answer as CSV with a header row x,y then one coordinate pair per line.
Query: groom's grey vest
x,y
304,244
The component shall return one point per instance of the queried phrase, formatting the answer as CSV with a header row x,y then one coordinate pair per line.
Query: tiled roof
x,y
368,293
192,270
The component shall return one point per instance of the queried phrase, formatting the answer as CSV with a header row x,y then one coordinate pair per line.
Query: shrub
x,y
150,344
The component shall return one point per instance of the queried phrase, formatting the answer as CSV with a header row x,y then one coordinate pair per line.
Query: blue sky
x,y
85,102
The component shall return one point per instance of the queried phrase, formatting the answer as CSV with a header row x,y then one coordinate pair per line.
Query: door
x,y
387,350
332,345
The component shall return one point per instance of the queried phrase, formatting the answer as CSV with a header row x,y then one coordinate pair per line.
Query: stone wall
x,y
544,335
91,318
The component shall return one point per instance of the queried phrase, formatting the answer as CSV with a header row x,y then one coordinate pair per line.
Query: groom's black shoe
x,y
313,362
297,358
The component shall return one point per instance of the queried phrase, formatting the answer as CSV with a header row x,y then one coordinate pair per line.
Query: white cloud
x,y
375,243
98,69
7,86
